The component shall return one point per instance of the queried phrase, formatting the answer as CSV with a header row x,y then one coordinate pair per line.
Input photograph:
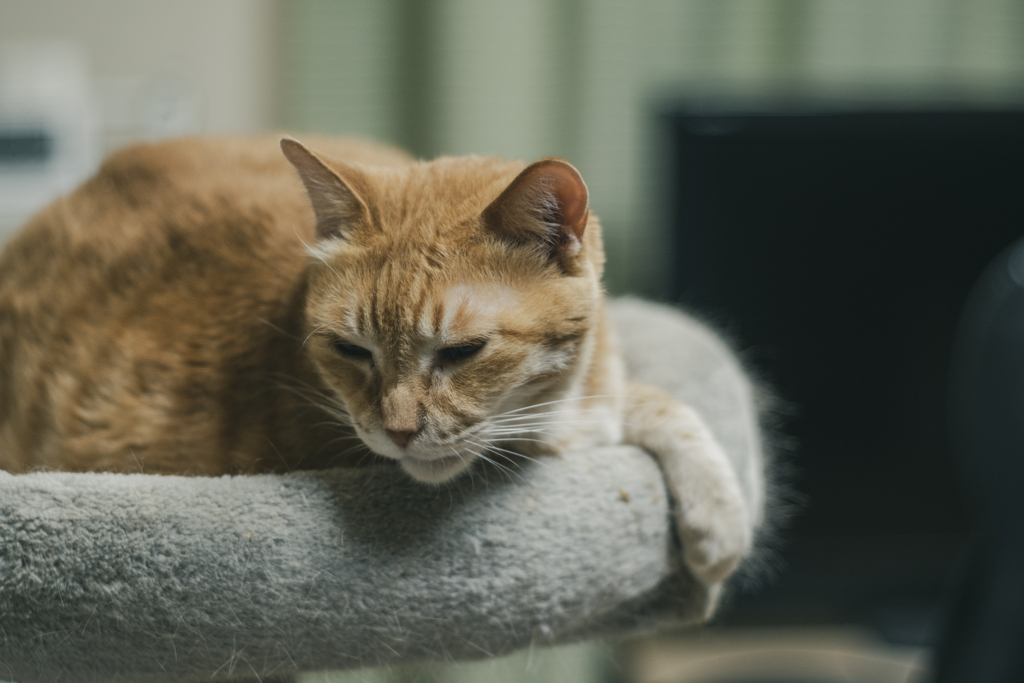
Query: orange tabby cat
x,y
191,310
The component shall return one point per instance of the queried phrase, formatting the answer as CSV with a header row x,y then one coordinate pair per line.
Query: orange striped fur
x,y
180,312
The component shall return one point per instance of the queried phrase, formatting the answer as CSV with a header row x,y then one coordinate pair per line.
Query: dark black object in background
x,y
982,635
838,249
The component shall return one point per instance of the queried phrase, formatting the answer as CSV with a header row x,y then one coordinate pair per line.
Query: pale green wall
x,y
583,78
338,67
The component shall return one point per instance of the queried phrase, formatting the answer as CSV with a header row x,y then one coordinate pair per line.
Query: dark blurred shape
x,y
838,249
25,147
984,632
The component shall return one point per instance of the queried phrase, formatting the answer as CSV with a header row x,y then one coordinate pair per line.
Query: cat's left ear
x,y
546,207
338,207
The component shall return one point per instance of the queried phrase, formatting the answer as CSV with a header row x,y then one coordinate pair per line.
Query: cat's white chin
x,y
435,470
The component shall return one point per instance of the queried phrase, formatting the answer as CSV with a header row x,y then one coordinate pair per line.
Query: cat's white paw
x,y
712,519
716,533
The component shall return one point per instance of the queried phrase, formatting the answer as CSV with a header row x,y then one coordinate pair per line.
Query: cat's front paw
x,y
712,519
716,533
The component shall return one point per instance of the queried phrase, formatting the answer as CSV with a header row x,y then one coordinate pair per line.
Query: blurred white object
x,y
49,127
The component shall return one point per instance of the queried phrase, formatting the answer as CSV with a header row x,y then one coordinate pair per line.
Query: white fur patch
x,y
324,250
350,322
479,304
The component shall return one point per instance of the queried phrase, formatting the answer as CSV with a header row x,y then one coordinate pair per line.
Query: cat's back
x,y
143,296
209,198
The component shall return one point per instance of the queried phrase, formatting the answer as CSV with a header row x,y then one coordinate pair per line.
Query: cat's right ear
x,y
338,207
545,207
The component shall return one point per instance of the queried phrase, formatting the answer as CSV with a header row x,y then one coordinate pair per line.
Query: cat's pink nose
x,y
400,438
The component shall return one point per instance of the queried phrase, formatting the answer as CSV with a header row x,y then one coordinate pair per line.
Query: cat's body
x,y
186,311
140,317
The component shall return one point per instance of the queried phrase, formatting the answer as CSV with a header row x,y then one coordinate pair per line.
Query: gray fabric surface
x,y
139,577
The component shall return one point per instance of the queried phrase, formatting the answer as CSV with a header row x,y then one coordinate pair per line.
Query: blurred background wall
x,y
78,79
208,65
579,78
585,78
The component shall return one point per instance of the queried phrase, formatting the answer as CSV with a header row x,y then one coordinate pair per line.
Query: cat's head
x,y
445,294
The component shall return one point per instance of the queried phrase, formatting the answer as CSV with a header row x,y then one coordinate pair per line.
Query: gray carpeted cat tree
x,y
140,577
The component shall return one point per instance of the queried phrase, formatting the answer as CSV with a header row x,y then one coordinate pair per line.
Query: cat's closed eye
x,y
352,351
452,354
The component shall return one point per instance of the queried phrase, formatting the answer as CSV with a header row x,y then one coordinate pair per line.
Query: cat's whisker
x,y
290,466
350,448
353,449
547,415
330,423
503,468
489,446
314,397
296,386
457,454
497,449
566,421
510,472
527,416
472,479
522,438
316,253
552,423
280,376
369,452
545,441
318,400
535,430
560,400
549,425
505,436
331,442
314,331
511,456
342,418
276,328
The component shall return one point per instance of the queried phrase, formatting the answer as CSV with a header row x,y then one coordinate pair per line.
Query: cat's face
x,y
436,307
